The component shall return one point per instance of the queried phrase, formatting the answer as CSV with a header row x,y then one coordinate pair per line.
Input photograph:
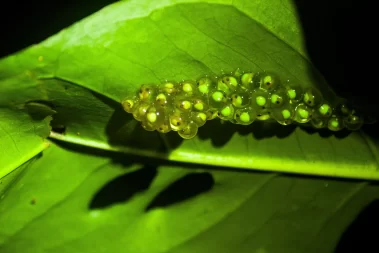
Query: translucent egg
x,y
163,100
267,80
303,113
321,115
244,116
147,92
344,109
188,88
227,83
247,81
168,87
200,105
128,104
278,98
284,115
205,85
226,113
164,127
260,99
140,109
353,122
335,123
156,116
319,122
189,131
211,114
263,114
147,126
179,120
324,110
217,100
238,73
312,97
240,98
183,104
200,118
294,92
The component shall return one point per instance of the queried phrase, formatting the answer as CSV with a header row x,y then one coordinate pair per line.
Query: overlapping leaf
x,y
21,138
108,204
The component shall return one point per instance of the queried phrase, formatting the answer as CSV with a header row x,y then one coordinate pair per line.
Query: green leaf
x,y
83,72
110,204
21,138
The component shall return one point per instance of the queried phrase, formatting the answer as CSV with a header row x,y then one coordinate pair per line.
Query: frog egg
x,y
226,113
353,122
267,80
155,116
312,97
303,113
183,104
164,127
335,123
147,126
244,116
217,100
263,114
163,100
205,85
344,109
189,131
321,115
227,83
199,105
284,115
200,118
240,98
318,122
128,104
147,92
260,99
238,73
324,110
168,87
140,109
294,93
187,88
278,99
247,80
211,114
178,120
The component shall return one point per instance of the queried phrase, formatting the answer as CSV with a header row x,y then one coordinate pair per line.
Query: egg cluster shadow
x,y
122,188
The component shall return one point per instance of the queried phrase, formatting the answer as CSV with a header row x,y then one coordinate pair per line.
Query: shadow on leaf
x,y
123,130
123,188
185,188
326,133
221,133
262,130
361,235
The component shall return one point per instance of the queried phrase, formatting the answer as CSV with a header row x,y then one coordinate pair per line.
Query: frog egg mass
x,y
239,97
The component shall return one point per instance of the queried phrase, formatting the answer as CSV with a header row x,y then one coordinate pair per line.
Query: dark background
x,y
335,39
